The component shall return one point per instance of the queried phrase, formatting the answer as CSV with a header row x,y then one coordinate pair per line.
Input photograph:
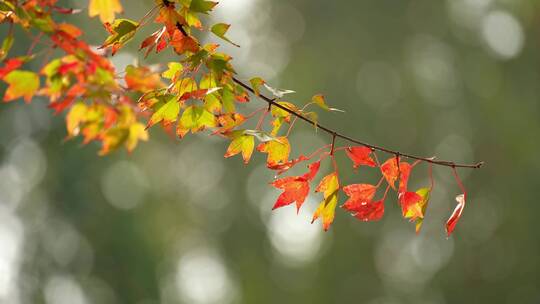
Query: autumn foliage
x,y
198,92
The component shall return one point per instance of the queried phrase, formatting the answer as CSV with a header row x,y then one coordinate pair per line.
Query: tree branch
x,y
335,134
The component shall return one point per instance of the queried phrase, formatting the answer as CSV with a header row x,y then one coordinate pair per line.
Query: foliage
x,y
198,92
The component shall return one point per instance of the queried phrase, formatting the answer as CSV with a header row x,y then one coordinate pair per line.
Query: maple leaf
x,y
360,156
229,121
422,205
329,186
256,83
360,202
405,170
201,6
198,94
122,31
372,211
106,9
174,70
359,195
283,167
278,150
76,115
409,202
456,215
167,112
295,188
220,29
241,143
182,43
170,17
195,119
320,101
327,211
281,115
21,84
157,40
142,79
137,131
390,172
112,139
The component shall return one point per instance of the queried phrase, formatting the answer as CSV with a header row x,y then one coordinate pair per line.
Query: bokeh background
x,y
176,223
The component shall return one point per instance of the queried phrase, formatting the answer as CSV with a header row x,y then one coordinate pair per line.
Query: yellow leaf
x,y
137,132
76,115
241,143
195,119
422,205
106,9
326,210
329,186
21,84
278,150
113,139
167,113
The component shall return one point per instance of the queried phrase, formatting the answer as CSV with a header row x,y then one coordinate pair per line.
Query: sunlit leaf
x,y
137,131
142,79
167,112
241,143
295,188
113,139
359,196
21,84
220,29
170,17
121,30
182,43
329,186
391,172
155,41
195,119
174,69
423,204
360,156
320,101
106,9
76,115
227,122
256,84
202,6
278,150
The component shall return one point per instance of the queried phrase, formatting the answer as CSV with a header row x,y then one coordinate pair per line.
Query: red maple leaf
x,y
360,156
372,211
295,188
360,202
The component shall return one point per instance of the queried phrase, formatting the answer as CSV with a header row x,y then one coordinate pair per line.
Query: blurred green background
x,y
176,223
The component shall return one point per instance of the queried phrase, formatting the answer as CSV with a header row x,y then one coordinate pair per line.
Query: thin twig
x,y
328,130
